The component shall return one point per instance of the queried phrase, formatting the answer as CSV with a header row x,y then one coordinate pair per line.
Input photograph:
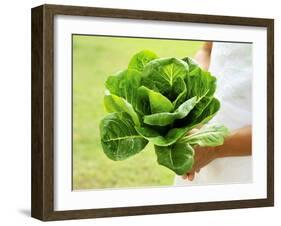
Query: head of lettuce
x,y
160,100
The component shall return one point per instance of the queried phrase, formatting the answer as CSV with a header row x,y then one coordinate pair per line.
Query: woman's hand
x,y
203,156
238,143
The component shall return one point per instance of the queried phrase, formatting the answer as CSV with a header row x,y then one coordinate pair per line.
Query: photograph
x,y
147,112
155,112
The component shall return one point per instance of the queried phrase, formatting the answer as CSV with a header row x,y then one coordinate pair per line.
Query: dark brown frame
x,y
42,203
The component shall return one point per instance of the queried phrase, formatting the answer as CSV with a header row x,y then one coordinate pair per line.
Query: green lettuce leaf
x,y
200,83
155,137
209,112
125,84
191,63
119,138
166,118
115,103
161,74
180,128
208,136
178,157
140,59
157,102
202,113
179,91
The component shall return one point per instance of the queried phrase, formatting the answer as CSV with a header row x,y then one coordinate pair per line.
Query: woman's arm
x,y
238,143
203,55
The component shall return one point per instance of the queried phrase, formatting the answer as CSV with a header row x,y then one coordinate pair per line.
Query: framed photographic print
x,y
141,112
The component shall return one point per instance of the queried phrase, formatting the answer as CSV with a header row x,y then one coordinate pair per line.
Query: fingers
x,y
191,176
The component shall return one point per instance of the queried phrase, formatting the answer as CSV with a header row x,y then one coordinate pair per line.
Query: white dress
x,y
231,63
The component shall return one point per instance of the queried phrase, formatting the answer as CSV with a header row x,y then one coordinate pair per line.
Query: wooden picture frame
x,y
42,203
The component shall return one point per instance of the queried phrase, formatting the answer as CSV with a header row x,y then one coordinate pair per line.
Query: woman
x,y
231,63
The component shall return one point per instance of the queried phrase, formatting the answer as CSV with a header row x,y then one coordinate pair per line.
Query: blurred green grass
x,y
94,58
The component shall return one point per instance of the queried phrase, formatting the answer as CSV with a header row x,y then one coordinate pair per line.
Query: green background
x,y
95,58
